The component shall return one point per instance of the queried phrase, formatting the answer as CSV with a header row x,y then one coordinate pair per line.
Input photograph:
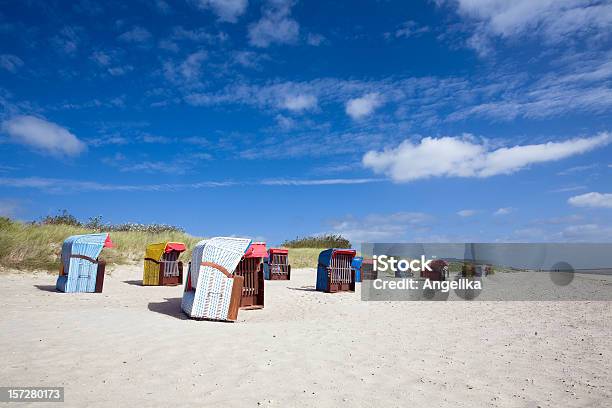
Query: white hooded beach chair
x,y
212,291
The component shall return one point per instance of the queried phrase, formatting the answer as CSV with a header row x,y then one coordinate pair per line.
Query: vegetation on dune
x,y
37,246
304,257
321,241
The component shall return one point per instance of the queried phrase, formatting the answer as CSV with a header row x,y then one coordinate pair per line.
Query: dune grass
x,y
304,257
319,241
38,246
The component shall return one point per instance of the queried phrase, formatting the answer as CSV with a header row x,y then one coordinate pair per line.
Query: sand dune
x,y
132,345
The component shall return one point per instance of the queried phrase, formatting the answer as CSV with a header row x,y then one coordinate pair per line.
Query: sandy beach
x,y
132,345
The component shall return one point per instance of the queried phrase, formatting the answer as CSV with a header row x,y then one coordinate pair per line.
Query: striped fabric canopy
x,y
80,273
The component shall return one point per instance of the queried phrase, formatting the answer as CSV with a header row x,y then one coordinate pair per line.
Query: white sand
x,y
132,345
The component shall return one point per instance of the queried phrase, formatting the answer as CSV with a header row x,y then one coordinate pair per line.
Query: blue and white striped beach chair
x,y
212,291
81,270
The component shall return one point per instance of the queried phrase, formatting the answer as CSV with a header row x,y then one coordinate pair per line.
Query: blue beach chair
x,y
334,272
81,270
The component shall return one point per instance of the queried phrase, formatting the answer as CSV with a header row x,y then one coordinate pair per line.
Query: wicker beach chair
x,y
81,270
334,272
250,268
276,265
212,291
161,264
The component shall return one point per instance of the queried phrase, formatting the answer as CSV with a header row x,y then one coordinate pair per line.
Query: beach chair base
x,y
171,280
282,276
279,276
341,287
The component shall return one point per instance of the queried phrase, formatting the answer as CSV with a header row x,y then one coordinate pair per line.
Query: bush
x,y
322,241
62,218
95,223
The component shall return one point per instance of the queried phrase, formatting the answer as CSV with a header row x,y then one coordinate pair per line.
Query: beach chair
x,y
334,272
367,270
356,265
439,271
251,270
212,291
276,265
161,264
81,270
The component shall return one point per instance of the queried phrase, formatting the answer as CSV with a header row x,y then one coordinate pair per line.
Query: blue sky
x,y
458,120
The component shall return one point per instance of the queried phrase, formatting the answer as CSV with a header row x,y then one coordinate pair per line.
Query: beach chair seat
x,y
81,270
335,272
276,265
161,264
212,291
250,268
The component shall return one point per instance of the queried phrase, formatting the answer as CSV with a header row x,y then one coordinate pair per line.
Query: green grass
x,y
29,246
321,241
304,257
38,247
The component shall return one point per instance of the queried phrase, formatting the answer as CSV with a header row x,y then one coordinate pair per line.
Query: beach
x,y
133,345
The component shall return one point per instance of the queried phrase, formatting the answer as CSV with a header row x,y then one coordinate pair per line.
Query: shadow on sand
x,y
171,307
305,288
47,288
134,282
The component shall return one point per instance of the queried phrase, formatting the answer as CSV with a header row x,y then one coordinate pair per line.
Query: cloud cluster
x,y
276,25
381,227
136,35
465,157
556,21
592,200
226,10
10,62
299,103
358,108
188,71
42,135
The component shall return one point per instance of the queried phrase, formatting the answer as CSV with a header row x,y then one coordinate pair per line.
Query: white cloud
x,y
187,72
380,227
63,185
10,62
299,103
593,199
410,29
503,211
577,169
466,213
107,61
226,10
315,39
121,70
464,157
554,20
136,35
275,25
43,135
101,58
567,189
587,233
364,106
318,182
67,41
